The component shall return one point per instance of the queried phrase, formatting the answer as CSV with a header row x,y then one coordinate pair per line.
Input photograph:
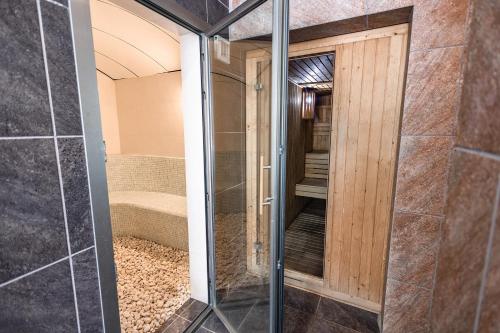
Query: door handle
x,y
267,201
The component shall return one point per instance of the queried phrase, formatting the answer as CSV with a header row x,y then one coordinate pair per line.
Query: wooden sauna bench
x,y
315,182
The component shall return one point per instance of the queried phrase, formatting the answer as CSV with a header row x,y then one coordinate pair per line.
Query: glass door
x,y
245,139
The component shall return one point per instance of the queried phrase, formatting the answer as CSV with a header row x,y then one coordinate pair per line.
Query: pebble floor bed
x,y
153,282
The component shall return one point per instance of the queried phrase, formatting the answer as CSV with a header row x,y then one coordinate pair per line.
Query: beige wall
x,y
150,115
142,116
109,113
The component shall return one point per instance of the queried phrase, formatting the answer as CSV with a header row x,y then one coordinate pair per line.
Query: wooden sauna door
x,y
367,103
258,161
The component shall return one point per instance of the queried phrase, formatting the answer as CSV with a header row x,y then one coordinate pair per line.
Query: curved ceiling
x,y
127,45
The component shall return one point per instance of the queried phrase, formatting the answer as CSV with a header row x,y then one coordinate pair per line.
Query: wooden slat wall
x,y
365,121
295,164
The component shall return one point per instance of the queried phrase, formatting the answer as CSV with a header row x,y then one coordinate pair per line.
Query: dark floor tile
x,y
296,321
301,300
192,311
184,306
323,326
62,71
347,315
236,306
214,324
257,319
87,292
41,302
178,325
203,330
167,323
32,226
24,102
76,193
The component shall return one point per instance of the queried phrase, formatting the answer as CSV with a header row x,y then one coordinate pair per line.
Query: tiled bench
x,y
147,198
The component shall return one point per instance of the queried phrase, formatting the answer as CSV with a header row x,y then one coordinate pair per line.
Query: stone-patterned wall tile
x,y
24,102
413,251
40,302
377,6
432,92
76,193
406,308
471,200
216,10
438,23
87,292
479,116
32,226
305,13
61,66
490,307
422,174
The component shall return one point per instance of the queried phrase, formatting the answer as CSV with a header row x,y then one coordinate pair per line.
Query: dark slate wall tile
x,y
471,201
62,2
62,72
347,315
87,292
216,11
76,193
41,302
197,7
479,117
24,100
31,217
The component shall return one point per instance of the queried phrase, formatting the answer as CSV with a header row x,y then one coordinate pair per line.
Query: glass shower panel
x,y
241,103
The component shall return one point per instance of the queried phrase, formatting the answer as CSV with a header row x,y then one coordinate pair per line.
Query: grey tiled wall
x,y
48,267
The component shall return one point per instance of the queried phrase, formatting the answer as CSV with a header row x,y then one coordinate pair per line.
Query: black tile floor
x,y
182,318
304,313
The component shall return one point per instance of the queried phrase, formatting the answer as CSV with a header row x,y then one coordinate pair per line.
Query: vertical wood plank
x,y
336,205
351,162
251,159
331,246
361,164
386,162
380,78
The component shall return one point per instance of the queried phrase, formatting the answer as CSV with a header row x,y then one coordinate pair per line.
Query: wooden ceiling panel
x,y
312,72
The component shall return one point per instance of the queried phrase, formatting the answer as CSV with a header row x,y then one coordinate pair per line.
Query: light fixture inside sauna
x,y
308,103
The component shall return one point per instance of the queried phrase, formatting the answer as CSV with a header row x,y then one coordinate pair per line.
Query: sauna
x,y
344,109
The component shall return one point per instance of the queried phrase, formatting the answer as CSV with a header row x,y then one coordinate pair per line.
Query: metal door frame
x,y
279,96
83,48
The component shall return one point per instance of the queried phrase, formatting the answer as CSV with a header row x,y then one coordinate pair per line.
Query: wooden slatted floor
x,y
305,241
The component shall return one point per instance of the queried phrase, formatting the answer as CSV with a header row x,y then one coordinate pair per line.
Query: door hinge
x,y
278,265
104,150
259,86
